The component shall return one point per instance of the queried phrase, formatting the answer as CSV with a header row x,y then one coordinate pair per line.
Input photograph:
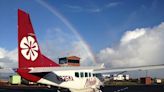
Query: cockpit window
x,y
86,74
81,74
76,74
89,74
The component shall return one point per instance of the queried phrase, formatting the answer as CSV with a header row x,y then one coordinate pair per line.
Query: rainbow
x,y
71,28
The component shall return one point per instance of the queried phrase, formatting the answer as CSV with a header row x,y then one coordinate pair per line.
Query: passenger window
x,y
86,74
76,74
97,75
82,74
89,74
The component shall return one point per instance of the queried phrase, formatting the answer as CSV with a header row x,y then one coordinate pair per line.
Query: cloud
x,y
59,43
8,58
2,53
132,35
75,8
142,46
113,4
92,8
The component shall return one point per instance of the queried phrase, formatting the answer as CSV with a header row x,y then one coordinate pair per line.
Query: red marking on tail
x,y
24,73
28,47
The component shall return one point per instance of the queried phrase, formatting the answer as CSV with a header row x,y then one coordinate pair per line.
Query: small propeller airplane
x,y
35,67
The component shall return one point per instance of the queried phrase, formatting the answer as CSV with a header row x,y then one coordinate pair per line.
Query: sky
x,y
118,33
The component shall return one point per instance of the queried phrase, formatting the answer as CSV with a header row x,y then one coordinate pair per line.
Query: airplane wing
x,y
96,69
126,69
50,69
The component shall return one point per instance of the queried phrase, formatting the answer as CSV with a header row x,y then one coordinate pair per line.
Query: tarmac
x,y
134,88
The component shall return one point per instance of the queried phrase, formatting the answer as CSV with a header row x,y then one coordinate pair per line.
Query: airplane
x,y
36,67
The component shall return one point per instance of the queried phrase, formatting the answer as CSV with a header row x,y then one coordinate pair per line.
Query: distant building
x,y
127,77
146,80
69,61
120,77
106,75
158,81
116,77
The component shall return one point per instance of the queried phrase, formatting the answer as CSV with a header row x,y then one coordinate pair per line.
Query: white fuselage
x,y
72,79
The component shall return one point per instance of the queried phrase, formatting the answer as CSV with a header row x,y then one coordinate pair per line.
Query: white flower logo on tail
x,y
29,48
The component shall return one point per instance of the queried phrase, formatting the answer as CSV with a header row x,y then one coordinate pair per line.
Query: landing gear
x,y
63,90
99,89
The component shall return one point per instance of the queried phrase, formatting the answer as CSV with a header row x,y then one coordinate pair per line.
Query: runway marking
x,y
120,90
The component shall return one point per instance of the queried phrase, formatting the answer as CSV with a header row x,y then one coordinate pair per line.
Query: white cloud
x,y
93,8
113,4
59,43
8,58
132,35
74,8
13,55
2,53
142,46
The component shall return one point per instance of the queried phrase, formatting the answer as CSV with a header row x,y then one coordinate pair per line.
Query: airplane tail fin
x,y
28,49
